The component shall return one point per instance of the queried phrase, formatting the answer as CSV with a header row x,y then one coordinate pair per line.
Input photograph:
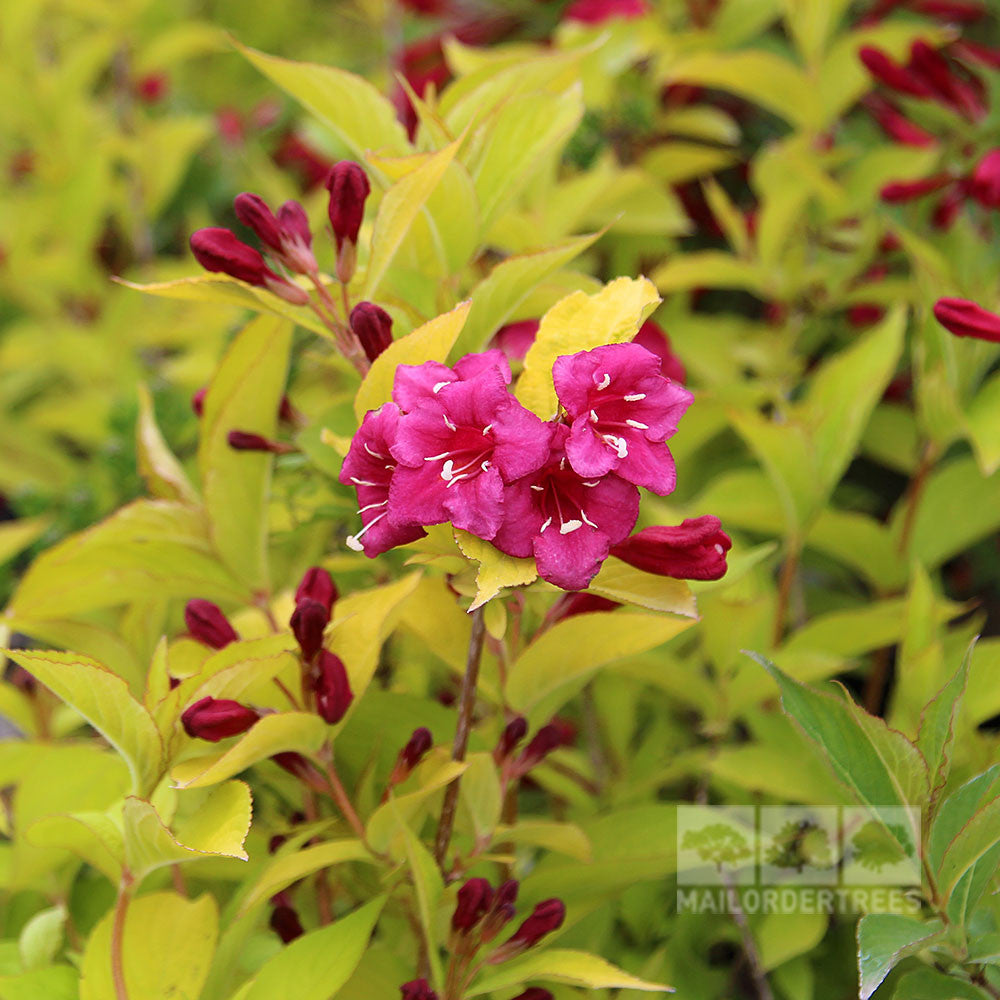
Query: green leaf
x,y
574,968
496,571
316,965
302,732
566,838
783,936
56,982
977,837
42,937
103,699
628,585
16,536
430,342
168,946
929,984
936,735
397,211
243,395
157,464
428,887
581,322
481,795
93,836
877,763
572,650
349,105
283,871
885,939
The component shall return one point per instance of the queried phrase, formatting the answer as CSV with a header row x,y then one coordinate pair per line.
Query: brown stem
x,y
789,568
177,877
467,701
324,901
914,492
346,341
344,803
118,937
877,678
292,700
757,971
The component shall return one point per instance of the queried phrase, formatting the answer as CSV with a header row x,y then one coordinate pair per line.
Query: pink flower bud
x,y
887,71
418,989
515,339
547,739
217,249
198,400
985,183
475,899
248,441
654,339
332,687
966,319
285,923
372,325
206,623
349,187
254,213
897,126
901,191
317,585
513,733
308,621
693,550
216,718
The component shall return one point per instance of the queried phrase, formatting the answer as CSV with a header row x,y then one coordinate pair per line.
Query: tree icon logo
x,y
717,844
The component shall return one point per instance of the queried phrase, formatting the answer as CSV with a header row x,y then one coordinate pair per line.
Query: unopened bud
x,y
416,747
216,718
985,182
219,250
695,549
308,621
535,993
967,319
513,733
317,585
547,739
892,74
902,191
248,441
285,923
502,911
198,401
475,899
349,188
372,325
418,989
206,623
546,917
333,688
286,235
255,214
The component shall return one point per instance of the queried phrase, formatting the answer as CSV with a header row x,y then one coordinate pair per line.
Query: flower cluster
x,y
455,445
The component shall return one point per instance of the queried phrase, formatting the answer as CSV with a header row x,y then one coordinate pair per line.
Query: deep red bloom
x,y
864,314
216,718
372,325
218,250
206,623
889,72
308,621
693,550
598,11
295,153
349,188
332,687
902,191
418,989
653,337
475,899
317,585
985,181
966,319
285,923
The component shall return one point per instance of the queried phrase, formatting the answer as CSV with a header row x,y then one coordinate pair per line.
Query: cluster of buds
x,y
514,766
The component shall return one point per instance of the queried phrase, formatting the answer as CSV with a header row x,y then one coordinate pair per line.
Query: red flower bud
x,y
475,899
932,67
652,337
206,623
546,917
947,209
416,748
372,325
219,250
580,603
349,187
598,11
985,181
864,314
333,688
216,718
285,923
547,739
695,549
152,87
248,441
892,74
535,993
418,989
901,191
317,585
950,10
198,401
296,237
974,52
966,319
254,213
308,621
502,911
896,126
513,733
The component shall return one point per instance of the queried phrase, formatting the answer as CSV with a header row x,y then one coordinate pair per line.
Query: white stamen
x,y
362,482
593,416
567,526
374,454
583,514
544,526
353,541
605,381
720,549
487,428
437,458
371,506
439,386
636,424
618,443
635,397
485,466
596,482
562,463
539,489
448,470
448,423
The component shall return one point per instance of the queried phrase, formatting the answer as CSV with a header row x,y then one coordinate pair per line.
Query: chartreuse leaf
x,y
168,946
979,836
397,210
480,795
302,732
711,269
574,968
244,395
54,982
885,939
157,464
351,106
936,735
496,569
42,937
316,965
429,888
572,650
581,322
881,766
289,868
566,838
782,936
496,298
103,699
628,585
16,536
93,836
430,342
219,827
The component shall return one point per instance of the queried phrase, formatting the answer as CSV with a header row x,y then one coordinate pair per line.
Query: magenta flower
x,y
418,383
459,447
566,522
695,549
368,467
622,411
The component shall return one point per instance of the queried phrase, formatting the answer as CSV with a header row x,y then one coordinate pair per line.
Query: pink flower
x,y
903,191
966,319
419,383
598,11
695,549
653,337
568,523
515,339
368,467
985,183
458,448
622,411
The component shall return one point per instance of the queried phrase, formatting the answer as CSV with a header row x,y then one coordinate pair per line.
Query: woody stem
x,y
118,937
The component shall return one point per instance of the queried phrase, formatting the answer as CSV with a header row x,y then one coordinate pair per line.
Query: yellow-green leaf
x,y
628,585
15,536
157,464
93,836
496,569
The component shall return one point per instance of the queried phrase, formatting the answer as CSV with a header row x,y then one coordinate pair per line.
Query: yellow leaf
x,y
628,585
582,322
157,464
15,536
430,342
496,569
93,836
